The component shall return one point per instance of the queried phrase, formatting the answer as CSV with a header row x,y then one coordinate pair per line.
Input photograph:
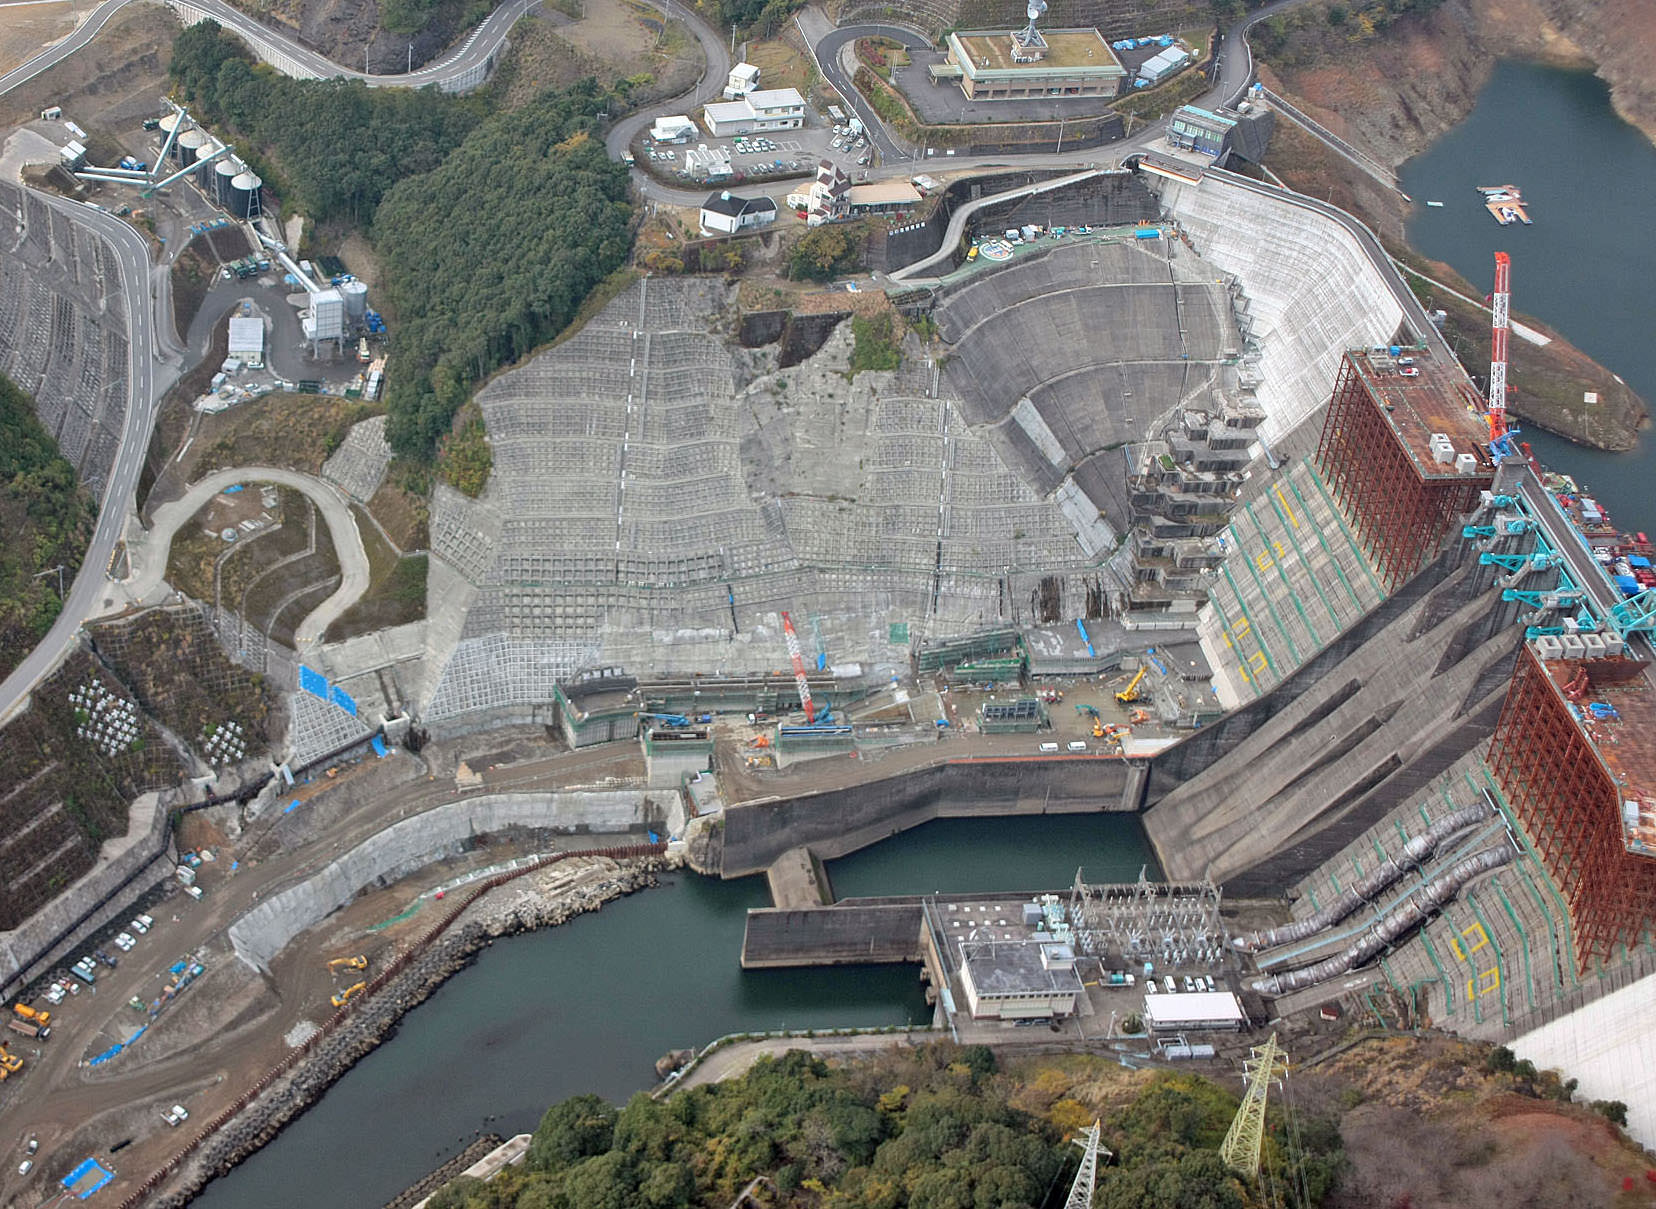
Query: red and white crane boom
x,y
1500,303
792,640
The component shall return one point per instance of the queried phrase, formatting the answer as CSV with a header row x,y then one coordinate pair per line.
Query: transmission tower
x,y
1081,1192
1246,1137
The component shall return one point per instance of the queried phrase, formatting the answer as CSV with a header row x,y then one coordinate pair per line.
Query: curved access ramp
x,y
150,557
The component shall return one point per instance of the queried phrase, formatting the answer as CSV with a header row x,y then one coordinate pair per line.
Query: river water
x,y
1587,265
591,1005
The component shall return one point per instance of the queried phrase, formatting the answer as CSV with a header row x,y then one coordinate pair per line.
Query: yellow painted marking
x,y
1262,560
1260,663
1477,934
1286,510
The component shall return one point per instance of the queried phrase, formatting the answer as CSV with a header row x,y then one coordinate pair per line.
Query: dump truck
x,y
345,996
29,1028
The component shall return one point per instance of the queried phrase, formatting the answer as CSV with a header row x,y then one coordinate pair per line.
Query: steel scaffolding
x,y
1400,516
1570,808
1174,923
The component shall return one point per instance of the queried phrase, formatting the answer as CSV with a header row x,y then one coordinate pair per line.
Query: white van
x,y
1049,747
1171,986
1077,745
194,892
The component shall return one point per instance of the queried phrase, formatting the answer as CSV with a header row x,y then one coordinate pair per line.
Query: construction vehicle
x,y
666,719
345,996
28,1028
41,1018
348,963
1139,716
1090,711
9,1063
1131,693
759,741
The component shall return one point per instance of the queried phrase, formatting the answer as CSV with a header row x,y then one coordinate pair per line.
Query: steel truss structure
x,y
1400,516
1570,808
1173,923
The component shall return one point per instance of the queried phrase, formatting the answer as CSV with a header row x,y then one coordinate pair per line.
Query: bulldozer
x,y
1131,693
345,996
348,963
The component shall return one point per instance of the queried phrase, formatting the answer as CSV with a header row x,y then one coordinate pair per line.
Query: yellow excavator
x,y
345,996
1131,693
10,1063
348,963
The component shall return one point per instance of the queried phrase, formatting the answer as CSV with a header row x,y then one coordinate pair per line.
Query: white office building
x,y
762,110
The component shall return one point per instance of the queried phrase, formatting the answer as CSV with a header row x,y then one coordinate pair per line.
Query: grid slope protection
x,y
358,465
63,333
643,500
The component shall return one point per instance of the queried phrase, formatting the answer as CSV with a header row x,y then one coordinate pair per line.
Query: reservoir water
x,y
1587,265
591,1005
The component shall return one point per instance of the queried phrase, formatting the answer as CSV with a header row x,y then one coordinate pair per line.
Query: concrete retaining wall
x,y
839,821
126,868
414,843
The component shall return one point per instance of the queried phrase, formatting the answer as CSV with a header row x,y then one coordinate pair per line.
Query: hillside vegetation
x,y
493,253
46,519
933,1128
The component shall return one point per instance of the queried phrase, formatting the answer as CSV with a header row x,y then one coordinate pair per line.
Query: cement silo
x,y
225,171
244,195
184,150
204,173
170,123
355,295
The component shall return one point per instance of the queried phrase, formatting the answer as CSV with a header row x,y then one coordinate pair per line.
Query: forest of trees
x,y
930,1128
491,228
46,519
333,146
493,253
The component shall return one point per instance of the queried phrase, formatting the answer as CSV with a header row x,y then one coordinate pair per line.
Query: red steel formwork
x,y
1400,510
1570,807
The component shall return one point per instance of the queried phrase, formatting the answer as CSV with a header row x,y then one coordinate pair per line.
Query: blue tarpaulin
x,y
313,682
232,490
343,699
378,744
291,806
86,1179
1637,560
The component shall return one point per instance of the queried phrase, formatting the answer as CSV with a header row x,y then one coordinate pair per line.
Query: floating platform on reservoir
x,y
1505,204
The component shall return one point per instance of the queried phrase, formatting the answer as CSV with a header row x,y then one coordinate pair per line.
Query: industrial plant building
x,y
997,65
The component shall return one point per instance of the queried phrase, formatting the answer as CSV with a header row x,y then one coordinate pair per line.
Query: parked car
x,y
26,1166
138,925
124,942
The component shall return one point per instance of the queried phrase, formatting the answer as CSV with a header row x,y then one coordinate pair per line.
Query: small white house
x,y
675,128
725,213
744,78
765,109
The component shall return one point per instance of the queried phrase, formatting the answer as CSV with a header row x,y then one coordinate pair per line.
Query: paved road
x,y
149,557
465,68
893,150
146,383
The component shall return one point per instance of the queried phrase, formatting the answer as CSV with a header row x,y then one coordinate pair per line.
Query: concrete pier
x,y
856,932
797,879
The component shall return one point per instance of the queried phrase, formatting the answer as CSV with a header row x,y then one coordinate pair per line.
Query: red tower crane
x,y
792,640
1500,303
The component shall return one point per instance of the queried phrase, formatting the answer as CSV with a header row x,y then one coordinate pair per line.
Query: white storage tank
x,y
225,171
244,195
355,295
170,123
204,173
184,150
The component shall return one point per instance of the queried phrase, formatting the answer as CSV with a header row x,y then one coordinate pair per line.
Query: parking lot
x,y
778,153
